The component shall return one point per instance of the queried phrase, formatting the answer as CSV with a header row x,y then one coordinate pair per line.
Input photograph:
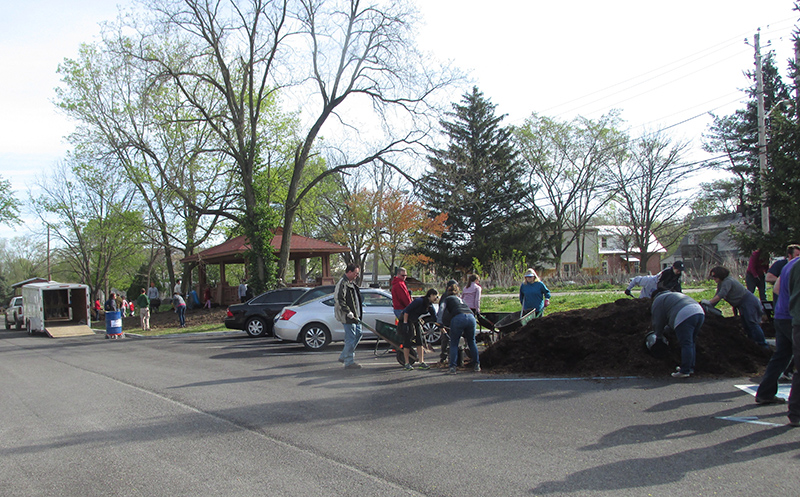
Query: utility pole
x,y
762,135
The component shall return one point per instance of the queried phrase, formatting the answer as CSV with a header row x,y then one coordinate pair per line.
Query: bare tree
x,y
140,129
228,59
568,164
91,215
362,53
651,192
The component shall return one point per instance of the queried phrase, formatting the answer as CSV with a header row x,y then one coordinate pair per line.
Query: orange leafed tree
x,y
402,225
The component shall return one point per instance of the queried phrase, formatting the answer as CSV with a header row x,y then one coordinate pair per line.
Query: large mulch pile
x,y
609,341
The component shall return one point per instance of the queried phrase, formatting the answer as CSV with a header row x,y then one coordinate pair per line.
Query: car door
x,y
376,306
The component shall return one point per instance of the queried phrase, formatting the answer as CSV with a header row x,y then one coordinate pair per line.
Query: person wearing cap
x,y
737,296
669,280
533,294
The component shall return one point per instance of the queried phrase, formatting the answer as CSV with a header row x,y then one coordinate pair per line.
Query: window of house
x,y
570,269
605,267
604,242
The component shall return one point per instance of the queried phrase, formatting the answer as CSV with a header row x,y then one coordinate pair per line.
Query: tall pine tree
x,y
476,182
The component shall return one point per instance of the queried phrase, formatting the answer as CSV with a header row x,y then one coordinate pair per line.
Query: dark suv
x,y
255,316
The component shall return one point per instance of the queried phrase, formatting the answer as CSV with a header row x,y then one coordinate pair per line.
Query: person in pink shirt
x,y
401,297
471,295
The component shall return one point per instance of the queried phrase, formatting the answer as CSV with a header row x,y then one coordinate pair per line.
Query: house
x,y
608,250
709,242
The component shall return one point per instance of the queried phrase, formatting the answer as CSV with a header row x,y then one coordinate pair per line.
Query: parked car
x,y
256,315
14,316
313,324
314,293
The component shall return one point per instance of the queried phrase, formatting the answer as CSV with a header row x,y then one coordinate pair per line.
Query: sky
x,y
664,65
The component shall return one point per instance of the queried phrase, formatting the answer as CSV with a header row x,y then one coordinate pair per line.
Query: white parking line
x,y
748,419
783,390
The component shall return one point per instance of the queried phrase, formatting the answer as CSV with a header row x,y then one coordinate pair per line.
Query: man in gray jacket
x,y
685,316
348,311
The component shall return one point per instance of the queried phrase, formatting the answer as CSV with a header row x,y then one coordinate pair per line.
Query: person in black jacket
x,y
411,329
459,317
669,280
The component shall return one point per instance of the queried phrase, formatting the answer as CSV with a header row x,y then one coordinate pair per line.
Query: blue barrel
x,y
114,323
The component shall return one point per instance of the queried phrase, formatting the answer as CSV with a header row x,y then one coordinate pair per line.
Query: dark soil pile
x,y
168,319
609,340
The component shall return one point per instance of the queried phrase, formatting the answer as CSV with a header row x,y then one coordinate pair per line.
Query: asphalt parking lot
x,y
221,414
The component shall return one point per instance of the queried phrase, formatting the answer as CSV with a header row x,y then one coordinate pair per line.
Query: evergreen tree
x,y
476,182
736,136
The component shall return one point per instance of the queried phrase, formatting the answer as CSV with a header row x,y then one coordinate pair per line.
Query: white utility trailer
x,y
57,309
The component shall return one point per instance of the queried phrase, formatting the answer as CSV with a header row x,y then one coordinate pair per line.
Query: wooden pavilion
x,y
233,250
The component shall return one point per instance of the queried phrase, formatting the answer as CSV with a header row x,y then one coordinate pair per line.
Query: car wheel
x,y
431,332
315,336
8,325
256,327
19,325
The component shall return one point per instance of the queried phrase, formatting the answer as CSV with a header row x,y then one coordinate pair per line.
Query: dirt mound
x,y
609,341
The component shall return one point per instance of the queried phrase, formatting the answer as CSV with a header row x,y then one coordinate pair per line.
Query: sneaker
x,y
423,365
785,378
341,360
678,374
477,368
794,422
408,367
451,371
773,400
354,365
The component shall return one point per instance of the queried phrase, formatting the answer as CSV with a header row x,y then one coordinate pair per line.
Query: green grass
x,y
585,300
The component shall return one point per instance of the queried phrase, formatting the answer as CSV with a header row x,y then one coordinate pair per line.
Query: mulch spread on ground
x,y
609,340
169,319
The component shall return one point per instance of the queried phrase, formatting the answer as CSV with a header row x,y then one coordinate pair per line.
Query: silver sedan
x,y
314,325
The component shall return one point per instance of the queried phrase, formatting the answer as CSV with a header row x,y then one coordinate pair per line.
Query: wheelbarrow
x,y
515,321
389,333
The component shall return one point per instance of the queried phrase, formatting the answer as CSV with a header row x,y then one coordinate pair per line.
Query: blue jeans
x,y
352,335
779,361
398,313
181,310
794,394
750,311
687,336
463,325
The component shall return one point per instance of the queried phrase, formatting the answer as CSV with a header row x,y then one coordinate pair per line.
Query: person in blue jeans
x,y
348,310
782,356
737,295
459,318
685,316
180,308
